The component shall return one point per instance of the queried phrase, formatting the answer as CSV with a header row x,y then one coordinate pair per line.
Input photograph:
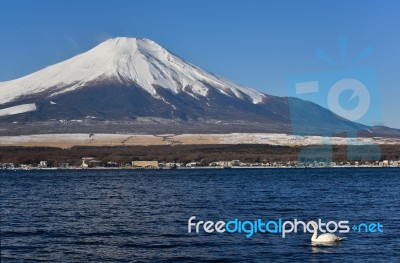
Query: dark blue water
x,y
129,216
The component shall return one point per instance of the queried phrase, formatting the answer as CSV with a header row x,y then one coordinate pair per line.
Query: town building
x,y
145,164
42,164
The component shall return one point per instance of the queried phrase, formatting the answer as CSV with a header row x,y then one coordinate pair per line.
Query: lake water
x,y
142,215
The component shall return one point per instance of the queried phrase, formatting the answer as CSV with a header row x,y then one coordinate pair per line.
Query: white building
x,y
42,164
192,164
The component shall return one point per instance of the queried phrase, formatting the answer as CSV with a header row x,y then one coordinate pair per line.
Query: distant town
x,y
93,163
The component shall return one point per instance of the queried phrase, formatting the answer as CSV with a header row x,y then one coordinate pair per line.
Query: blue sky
x,y
259,44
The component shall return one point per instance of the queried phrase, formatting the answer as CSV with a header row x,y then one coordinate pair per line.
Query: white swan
x,y
324,238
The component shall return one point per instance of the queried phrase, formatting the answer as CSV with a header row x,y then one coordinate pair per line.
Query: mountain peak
x,y
129,44
139,61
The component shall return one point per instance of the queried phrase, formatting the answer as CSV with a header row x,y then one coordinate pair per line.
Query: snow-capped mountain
x,y
135,85
140,61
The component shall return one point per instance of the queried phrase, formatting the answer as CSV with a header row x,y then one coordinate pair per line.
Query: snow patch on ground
x,y
69,140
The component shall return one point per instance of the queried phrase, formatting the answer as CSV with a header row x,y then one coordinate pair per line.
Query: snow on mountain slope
x,y
18,109
141,61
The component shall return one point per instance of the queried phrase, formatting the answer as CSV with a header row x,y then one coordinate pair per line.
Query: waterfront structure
x,y
145,164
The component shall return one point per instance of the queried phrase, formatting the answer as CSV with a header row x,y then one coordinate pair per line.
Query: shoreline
x,y
197,168
256,156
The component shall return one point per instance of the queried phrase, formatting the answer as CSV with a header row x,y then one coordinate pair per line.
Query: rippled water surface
x,y
139,215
